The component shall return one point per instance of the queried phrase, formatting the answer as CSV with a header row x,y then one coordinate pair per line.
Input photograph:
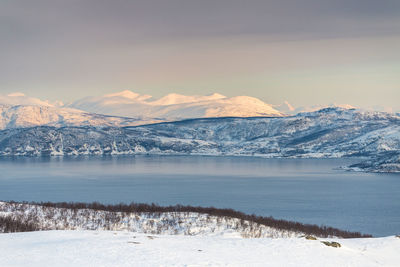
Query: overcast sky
x,y
303,51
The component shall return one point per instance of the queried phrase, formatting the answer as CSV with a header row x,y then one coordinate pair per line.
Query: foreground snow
x,y
108,248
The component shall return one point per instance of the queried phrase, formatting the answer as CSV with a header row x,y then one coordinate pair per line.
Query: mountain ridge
x,y
327,133
175,106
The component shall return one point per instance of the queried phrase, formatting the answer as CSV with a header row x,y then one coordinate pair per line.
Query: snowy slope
x,y
22,116
175,106
107,248
176,223
19,111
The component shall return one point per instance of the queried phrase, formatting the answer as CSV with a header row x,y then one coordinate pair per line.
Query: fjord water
x,y
305,190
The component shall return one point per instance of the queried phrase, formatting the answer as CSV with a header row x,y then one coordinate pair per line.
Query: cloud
x,y
57,47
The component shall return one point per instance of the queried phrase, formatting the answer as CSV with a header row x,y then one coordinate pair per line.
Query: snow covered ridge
x,y
330,133
124,109
153,219
175,106
127,108
23,116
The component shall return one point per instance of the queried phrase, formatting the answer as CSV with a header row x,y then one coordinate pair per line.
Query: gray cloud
x,y
138,21
45,44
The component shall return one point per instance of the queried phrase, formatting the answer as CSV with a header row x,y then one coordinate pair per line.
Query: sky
x,y
305,52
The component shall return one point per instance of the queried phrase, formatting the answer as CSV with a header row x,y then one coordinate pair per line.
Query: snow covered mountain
x,y
287,108
175,106
124,109
332,132
15,99
19,111
32,115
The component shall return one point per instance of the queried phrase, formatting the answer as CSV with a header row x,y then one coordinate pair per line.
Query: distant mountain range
x,y
129,123
127,108
175,106
330,132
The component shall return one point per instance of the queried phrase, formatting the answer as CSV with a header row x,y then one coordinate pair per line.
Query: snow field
x,y
109,248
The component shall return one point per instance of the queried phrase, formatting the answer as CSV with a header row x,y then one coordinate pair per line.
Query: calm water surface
x,y
306,190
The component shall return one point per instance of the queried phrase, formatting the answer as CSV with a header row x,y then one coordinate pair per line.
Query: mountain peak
x,y
176,106
125,93
289,109
175,99
18,98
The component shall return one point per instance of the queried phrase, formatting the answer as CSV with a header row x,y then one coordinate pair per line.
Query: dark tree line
x,y
12,225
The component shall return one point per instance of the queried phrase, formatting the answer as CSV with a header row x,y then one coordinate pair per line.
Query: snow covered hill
x,y
23,116
174,223
110,248
124,109
175,106
154,219
20,111
287,108
116,235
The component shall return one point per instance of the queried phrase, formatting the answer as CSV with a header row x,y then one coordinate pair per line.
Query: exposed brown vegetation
x,y
331,244
11,225
310,237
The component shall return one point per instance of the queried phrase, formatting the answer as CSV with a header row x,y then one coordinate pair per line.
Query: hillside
x,y
154,219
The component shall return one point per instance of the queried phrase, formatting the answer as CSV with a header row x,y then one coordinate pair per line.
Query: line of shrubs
x,y
12,225
311,229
